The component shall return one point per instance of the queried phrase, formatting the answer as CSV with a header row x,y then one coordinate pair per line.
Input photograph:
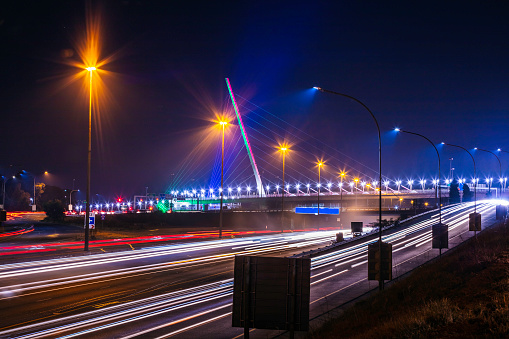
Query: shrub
x,y
55,210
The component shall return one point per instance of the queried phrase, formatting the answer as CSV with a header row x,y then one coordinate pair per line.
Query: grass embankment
x,y
463,295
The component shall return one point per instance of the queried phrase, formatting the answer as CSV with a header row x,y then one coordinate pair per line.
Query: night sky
x,y
435,68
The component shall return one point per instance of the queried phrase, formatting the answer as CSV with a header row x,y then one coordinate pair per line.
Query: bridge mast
x,y
259,185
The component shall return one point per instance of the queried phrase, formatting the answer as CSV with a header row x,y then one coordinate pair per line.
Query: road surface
x,y
185,290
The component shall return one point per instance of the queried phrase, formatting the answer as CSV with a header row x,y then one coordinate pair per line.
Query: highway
x,y
185,290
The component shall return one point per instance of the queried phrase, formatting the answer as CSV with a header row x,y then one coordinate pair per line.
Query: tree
x,y
55,210
17,199
454,193
467,193
52,193
39,191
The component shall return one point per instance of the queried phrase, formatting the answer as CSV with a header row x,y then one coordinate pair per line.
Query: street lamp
x,y
398,183
423,184
320,164
4,181
90,70
34,204
70,196
503,179
436,186
381,281
374,183
386,184
499,163
222,123
475,175
283,149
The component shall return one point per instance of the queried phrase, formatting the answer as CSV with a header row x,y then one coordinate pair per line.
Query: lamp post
x,y
222,123
356,180
475,175
5,179
436,185
341,175
499,163
283,150
90,70
381,281
70,196
320,164
503,180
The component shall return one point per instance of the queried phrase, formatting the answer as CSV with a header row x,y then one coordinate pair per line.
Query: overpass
x,y
346,202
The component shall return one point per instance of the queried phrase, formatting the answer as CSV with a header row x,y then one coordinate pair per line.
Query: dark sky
x,y
435,68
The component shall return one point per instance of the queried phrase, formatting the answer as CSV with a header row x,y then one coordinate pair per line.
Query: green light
x,y
162,207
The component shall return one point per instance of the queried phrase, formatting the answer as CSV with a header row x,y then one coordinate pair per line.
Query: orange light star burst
x,y
88,47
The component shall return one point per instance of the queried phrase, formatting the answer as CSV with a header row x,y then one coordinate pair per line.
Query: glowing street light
x,y
410,183
342,175
223,124
386,184
499,163
320,164
283,149
476,180
90,70
381,281
374,183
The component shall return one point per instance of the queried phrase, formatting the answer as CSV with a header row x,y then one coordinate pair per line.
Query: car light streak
x,y
359,263
192,326
19,232
213,296
319,274
105,258
65,282
141,308
349,261
330,276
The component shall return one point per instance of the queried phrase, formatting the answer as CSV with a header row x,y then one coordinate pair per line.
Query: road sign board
x,y
271,293
439,236
474,222
374,268
91,221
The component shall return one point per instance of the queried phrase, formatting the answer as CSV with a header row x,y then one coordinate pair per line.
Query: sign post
x,y
91,220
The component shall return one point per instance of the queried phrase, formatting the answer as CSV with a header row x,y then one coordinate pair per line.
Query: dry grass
x,y
464,295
